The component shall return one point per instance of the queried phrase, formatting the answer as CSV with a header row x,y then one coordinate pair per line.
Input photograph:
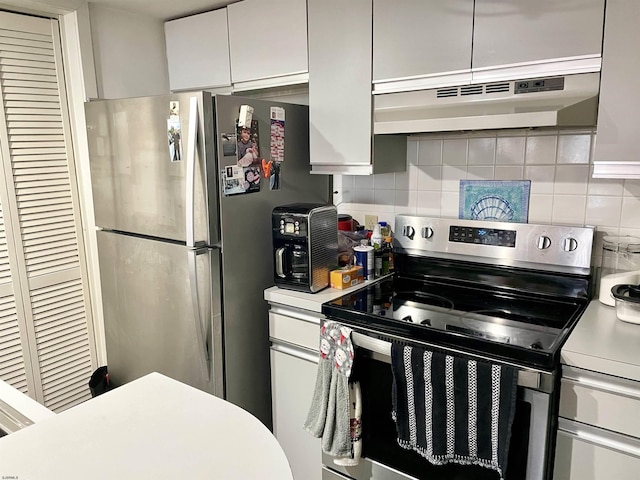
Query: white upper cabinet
x,y
339,84
268,43
547,31
616,152
421,38
340,112
198,51
440,43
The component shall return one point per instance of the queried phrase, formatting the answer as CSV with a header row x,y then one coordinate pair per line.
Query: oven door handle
x,y
382,350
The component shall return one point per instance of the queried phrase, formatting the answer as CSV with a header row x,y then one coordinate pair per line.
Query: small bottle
x,y
389,246
376,237
386,252
385,229
377,262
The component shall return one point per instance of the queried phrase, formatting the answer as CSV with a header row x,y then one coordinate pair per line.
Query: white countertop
x,y
152,428
311,301
23,404
602,343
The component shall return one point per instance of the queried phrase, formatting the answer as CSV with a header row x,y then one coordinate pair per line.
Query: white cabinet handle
x,y
599,436
296,352
297,314
600,381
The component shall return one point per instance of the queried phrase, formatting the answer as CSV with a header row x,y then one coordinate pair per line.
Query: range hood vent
x,y
561,101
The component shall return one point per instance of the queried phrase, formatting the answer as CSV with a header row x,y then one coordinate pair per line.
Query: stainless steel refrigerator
x,y
184,254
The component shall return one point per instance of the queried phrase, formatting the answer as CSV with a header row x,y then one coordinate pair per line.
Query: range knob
x,y
409,232
426,232
543,243
569,244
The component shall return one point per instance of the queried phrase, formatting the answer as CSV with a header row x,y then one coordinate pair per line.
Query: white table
x,y
153,428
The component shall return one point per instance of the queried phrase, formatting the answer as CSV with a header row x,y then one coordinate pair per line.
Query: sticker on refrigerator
x,y
248,144
274,179
245,117
175,138
228,144
277,134
236,180
271,170
174,109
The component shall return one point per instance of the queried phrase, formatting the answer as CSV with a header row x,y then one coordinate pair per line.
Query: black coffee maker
x,y
305,245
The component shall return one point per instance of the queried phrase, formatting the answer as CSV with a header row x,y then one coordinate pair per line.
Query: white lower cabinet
x,y
294,361
598,430
584,452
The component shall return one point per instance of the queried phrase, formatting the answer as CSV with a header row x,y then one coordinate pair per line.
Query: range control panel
x,y
483,236
553,247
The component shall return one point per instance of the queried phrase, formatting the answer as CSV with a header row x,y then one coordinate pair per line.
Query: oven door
x,y
386,460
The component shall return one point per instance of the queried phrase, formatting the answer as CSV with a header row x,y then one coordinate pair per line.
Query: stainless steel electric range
x,y
505,292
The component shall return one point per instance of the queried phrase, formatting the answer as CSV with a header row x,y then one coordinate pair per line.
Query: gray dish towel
x,y
332,405
451,409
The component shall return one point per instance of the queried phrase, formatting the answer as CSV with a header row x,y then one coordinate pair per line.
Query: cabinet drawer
x,y
584,452
601,400
297,327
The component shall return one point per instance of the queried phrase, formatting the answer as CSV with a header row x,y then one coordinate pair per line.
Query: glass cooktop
x,y
507,324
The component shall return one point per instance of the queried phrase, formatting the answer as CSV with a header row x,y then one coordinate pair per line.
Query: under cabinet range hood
x,y
559,101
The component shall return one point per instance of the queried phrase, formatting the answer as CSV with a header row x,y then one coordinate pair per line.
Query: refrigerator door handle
x,y
201,341
280,262
191,170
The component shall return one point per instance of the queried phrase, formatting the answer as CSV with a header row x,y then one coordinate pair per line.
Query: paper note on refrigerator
x,y
277,134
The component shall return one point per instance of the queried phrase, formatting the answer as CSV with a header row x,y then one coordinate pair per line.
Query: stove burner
x,y
426,298
409,319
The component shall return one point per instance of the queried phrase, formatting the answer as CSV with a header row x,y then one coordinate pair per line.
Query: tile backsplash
x,y
557,162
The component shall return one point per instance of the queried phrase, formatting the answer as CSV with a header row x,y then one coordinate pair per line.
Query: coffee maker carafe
x,y
305,245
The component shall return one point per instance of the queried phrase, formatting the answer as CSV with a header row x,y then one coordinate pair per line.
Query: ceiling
x,y
161,9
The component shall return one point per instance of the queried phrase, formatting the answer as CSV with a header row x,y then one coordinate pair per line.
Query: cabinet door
x,y
523,31
292,383
618,114
421,38
198,51
267,40
601,400
340,83
584,452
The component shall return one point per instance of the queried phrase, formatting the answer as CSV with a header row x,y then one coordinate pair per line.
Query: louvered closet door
x,y
44,235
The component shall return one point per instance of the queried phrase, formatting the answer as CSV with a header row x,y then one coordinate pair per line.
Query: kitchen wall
x,y
129,53
558,163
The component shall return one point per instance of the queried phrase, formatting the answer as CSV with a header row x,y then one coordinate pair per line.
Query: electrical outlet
x,y
370,221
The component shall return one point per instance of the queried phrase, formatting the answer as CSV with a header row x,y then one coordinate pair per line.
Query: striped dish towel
x,y
453,410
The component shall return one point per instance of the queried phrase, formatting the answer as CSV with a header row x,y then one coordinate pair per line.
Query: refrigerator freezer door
x,y
138,186
161,310
247,247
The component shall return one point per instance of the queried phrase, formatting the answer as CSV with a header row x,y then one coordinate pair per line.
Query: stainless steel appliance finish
x,y
559,101
503,292
305,245
183,266
540,247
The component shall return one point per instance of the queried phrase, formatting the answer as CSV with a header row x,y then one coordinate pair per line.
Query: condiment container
x,y
364,258
620,264
627,302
